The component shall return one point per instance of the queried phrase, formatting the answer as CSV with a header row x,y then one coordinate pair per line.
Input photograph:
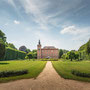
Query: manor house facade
x,y
47,51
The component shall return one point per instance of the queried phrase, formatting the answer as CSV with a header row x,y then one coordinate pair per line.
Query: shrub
x,y
13,73
2,49
12,54
30,55
78,73
51,59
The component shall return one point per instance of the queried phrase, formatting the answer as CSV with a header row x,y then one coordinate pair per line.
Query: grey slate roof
x,y
49,47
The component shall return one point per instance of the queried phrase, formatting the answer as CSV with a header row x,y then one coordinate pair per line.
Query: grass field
x,y
64,69
34,68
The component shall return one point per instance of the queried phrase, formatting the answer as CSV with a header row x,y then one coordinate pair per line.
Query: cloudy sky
x,y
64,24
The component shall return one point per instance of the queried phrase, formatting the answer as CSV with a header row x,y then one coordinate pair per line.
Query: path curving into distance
x,y
47,80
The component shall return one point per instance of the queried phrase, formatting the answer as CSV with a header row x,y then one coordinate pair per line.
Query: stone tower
x,y
39,50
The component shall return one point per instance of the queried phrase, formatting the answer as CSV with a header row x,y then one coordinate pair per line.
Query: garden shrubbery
x,y
2,49
12,54
51,59
78,73
12,73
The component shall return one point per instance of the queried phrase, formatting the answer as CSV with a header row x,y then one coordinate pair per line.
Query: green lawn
x,y
64,69
34,68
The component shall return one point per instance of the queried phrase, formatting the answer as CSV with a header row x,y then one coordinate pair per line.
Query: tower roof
x,y
39,43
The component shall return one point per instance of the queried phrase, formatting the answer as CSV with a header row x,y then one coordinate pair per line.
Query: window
x,y
51,50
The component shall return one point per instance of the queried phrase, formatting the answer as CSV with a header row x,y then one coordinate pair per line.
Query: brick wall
x,y
52,53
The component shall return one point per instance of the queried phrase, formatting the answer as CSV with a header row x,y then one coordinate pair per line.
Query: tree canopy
x,y
2,49
11,45
88,47
1,34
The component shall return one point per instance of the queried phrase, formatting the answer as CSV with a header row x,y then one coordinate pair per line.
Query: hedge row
x,y
2,49
78,73
12,73
84,56
45,59
12,54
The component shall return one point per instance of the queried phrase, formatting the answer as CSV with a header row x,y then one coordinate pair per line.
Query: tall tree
x,y
34,50
60,53
11,45
71,55
28,50
2,44
30,55
2,36
2,49
88,47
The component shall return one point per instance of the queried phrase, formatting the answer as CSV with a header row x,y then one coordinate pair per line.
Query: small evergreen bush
x,y
78,73
12,73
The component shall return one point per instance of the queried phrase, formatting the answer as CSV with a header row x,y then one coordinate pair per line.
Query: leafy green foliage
x,y
78,73
28,50
1,34
88,47
11,45
84,51
30,55
34,50
34,55
60,53
13,73
2,49
71,55
12,54
76,55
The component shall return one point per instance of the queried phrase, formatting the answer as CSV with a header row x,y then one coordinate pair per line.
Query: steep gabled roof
x,y
49,47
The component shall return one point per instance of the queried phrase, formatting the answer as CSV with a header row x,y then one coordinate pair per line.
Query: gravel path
x,y
47,80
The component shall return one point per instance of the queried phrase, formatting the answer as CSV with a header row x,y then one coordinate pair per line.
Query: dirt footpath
x,y
47,80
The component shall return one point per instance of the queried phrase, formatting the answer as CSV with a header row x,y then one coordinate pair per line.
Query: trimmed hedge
x,y
12,73
12,54
78,73
2,49
45,59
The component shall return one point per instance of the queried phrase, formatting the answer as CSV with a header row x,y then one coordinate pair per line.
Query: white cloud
x,y
73,30
16,22
12,3
78,34
35,8
39,10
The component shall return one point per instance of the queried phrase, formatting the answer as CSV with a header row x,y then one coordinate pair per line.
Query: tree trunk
x,y
71,59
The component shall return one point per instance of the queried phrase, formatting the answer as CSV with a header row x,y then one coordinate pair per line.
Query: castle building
x,y
47,51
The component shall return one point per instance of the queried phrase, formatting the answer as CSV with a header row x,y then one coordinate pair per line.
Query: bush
x,y
78,73
12,54
2,49
51,59
12,73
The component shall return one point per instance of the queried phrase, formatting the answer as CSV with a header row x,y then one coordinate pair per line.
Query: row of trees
x,y
2,44
71,55
31,55
82,54
2,49
8,51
